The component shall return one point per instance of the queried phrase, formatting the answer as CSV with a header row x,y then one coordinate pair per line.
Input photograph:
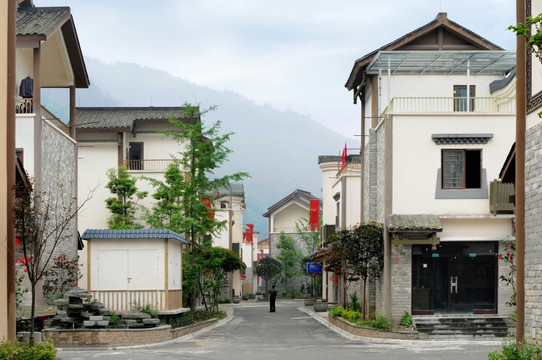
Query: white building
x,y
437,120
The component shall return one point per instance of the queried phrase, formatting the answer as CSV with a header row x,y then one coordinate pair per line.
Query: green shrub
x,y
147,309
406,320
335,311
381,323
354,303
510,351
40,351
192,317
114,320
224,300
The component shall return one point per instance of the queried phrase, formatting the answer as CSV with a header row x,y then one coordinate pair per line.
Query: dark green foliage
x,y
354,303
192,317
40,351
147,309
289,256
380,322
511,351
123,207
268,268
406,320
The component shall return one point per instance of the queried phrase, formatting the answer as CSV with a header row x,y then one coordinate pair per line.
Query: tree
x,y
310,239
268,268
204,151
42,221
367,256
289,256
124,206
216,262
358,253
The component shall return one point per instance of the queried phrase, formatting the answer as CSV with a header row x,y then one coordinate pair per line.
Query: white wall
x,y
329,176
24,138
416,160
284,219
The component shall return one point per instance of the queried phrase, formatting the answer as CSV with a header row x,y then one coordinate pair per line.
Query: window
x,y
20,154
460,97
135,156
461,169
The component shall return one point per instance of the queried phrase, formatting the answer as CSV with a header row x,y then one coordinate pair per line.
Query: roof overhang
x,y
479,62
414,229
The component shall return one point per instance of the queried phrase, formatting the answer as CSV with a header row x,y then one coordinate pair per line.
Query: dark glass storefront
x,y
458,277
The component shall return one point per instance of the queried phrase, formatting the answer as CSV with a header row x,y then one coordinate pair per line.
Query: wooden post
x,y
520,175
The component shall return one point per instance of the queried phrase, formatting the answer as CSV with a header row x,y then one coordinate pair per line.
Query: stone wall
x,y
533,232
59,184
401,281
109,337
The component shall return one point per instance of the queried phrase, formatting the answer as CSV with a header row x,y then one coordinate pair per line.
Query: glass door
x,y
455,278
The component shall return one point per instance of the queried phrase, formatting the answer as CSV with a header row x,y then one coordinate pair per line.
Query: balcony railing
x,y
501,198
506,105
24,106
148,165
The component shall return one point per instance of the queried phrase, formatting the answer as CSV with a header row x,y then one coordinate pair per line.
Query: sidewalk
x,y
322,317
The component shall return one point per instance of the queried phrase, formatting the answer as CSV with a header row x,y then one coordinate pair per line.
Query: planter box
x,y
236,300
320,306
309,302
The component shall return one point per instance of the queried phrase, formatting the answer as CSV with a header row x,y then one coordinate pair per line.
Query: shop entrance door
x,y
456,278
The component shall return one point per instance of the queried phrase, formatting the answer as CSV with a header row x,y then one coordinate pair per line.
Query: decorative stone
x,y
61,302
152,321
135,314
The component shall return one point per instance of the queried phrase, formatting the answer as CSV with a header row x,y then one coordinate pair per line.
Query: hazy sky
x,y
292,54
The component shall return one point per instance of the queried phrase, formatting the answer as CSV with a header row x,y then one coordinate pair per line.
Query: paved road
x,y
255,333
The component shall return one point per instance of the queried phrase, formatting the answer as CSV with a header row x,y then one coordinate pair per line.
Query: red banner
x,y
210,213
248,234
314,215
343,157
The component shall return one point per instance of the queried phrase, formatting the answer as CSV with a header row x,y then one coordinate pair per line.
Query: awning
x,y
414,229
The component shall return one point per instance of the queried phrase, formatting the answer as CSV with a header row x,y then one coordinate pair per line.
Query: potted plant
x,y
320,305
308,301
236,299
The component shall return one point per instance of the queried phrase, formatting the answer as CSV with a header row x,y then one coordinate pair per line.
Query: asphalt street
x,y
255,333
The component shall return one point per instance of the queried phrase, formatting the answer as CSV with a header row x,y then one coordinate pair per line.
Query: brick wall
x,y
533,232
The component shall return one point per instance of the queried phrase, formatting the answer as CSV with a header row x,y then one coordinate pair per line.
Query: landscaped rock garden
x,y
75,310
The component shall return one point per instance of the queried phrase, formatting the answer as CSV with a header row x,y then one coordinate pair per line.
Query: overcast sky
x,y
292,54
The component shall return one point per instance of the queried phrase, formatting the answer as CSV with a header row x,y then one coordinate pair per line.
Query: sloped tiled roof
x,y
422,223
40,21
122,117
298,195
133,234
440,21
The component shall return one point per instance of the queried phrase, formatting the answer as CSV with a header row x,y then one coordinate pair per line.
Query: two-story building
x,y
131,136
48,55
437,119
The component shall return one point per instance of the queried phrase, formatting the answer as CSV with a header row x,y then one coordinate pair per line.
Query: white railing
x,y
506,105
24,106
125,300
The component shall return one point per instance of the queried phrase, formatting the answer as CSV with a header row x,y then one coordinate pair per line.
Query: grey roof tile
x,y
121,117
398,223
133,234
41,21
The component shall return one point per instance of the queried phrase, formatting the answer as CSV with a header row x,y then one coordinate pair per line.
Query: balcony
x,y
148,164
24,106
476,105
501,198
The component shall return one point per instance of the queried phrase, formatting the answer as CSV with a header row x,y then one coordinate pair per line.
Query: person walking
x,y
272,299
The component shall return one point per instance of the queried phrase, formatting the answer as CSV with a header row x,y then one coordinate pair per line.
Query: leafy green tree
x,y
216,262
310,239
365,254
166,212
289,256
268,268
124,206
180,206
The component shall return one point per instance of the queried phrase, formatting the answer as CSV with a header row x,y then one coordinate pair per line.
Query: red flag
x,y
314,215
248,233
210,213
343,156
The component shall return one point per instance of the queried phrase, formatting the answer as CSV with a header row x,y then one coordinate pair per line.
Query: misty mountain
x,y
278,148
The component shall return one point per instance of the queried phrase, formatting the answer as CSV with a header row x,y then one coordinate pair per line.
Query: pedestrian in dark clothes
x,y
272,299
